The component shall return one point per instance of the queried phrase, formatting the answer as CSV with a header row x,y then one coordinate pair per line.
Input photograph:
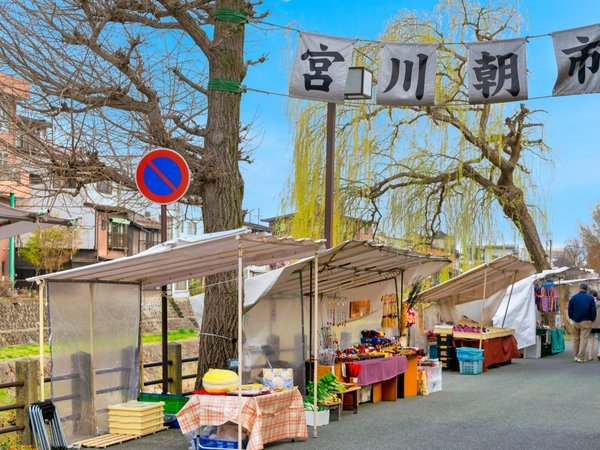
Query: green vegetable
x,y
326,388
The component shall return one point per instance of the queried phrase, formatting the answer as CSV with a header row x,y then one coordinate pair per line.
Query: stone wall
x,y
19,318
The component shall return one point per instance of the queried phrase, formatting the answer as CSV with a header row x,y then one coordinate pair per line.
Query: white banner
x,y
578,59
321,67
497,71
407,74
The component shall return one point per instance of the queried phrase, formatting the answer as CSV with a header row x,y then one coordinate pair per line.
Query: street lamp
x,y
359,86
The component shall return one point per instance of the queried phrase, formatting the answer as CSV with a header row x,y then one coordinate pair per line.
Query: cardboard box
x,y
278,378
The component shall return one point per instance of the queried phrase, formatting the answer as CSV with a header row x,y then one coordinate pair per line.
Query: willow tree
x,y
416,170
119,77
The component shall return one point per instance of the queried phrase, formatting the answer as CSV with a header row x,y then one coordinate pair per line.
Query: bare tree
x,y
119,77
420,169
590,237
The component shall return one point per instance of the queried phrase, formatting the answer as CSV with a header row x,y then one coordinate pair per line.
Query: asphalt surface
x,y
546,403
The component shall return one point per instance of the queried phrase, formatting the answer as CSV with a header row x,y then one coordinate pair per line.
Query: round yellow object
x,y
218,381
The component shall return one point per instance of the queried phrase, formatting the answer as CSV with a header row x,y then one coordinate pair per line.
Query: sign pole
x,y
164,309
329,173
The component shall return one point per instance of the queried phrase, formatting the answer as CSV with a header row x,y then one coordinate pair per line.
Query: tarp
x,y
189,257
14,222
518,310
480,282
348,265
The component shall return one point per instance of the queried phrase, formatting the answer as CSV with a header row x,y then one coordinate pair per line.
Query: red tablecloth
x,y
496,350
377,370
268,418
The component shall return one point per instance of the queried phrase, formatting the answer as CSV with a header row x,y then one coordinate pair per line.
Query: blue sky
x,y
572,188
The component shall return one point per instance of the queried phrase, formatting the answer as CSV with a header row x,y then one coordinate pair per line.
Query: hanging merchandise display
x,y
546,296
337,311
389,318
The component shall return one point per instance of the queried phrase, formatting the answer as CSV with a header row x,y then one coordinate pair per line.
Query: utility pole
x,y
329,173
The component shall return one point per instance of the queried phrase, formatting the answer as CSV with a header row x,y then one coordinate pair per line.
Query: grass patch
x,y
31,350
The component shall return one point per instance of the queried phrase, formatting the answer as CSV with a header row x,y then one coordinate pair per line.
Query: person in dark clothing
x,y
582,311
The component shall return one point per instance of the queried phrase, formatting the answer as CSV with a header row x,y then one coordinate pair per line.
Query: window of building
x,y
19,140
34,178
104,187
3,159
148,239
117,233
4,121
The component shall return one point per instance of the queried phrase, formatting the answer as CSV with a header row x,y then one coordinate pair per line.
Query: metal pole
x,y
329,173
316,340
41,285
164,309
398,307
302,315
239,338
11,248
483,307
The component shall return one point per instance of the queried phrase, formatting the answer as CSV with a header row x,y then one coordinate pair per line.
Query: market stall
x,y
359,289
92,291
469,303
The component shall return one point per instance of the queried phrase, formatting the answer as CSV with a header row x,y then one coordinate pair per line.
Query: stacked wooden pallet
x,y
135,418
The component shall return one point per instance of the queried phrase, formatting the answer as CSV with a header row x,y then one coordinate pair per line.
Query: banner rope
x,y
376,41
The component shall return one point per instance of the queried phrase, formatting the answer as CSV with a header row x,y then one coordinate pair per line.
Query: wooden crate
x,y
136,429
491,334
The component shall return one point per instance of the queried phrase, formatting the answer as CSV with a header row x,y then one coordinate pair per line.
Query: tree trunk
x,y
223,191
514,206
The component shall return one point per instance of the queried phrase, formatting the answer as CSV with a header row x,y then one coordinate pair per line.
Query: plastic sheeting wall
x,y
95,351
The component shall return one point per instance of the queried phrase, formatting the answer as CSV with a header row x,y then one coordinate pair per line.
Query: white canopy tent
x,y
182,259
14,222
479,293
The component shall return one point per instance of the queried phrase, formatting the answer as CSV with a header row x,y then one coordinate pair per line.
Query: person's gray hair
x,y
583,286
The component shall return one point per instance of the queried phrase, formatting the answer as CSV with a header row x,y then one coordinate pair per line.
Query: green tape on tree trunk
x,y
219,84
230,15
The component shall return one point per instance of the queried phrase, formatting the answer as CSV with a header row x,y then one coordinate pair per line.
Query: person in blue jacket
x,y
582,311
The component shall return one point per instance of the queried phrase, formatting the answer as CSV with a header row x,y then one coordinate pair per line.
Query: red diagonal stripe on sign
x,y
162,177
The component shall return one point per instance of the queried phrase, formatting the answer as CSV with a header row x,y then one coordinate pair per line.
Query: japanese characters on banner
x,y
407,74
496,71
578,59
321,67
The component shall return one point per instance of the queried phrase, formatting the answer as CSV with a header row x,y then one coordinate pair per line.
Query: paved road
x,y
530,404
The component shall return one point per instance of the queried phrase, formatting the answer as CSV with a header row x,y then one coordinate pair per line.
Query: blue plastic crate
x,y
433,352
474,367
469,354
204,443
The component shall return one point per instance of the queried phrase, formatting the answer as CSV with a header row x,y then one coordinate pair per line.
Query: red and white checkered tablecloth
x,y
267,418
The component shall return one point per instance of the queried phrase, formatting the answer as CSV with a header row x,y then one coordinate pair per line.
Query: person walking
x,y
595,331
582,311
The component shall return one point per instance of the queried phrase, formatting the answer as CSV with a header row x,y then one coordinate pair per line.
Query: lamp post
x,y
358,87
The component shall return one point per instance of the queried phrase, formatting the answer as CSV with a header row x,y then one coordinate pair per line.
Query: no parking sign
x,y
162,176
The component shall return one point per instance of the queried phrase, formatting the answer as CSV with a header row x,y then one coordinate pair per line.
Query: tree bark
x,y
513,204
223,190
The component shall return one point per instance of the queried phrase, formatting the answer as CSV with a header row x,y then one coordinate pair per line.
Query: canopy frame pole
x,y
512,286
316,342
483,307
401,305
239,338
398,306
311,292
302,315
41,285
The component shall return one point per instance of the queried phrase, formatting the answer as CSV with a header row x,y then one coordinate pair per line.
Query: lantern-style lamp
x,y
359,84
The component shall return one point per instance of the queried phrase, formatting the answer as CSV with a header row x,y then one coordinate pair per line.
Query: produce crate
x,y
446,352
433,352
173,403
471,367
492,333
469,354
444,339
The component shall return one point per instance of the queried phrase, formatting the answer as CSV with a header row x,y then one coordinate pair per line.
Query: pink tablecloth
x,y
377,370
268,418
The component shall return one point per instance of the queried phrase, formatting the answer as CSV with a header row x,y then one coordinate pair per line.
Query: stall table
x,y
498,350
382,373
267,418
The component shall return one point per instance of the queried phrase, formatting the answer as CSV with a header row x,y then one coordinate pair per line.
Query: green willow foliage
x,y
375,142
